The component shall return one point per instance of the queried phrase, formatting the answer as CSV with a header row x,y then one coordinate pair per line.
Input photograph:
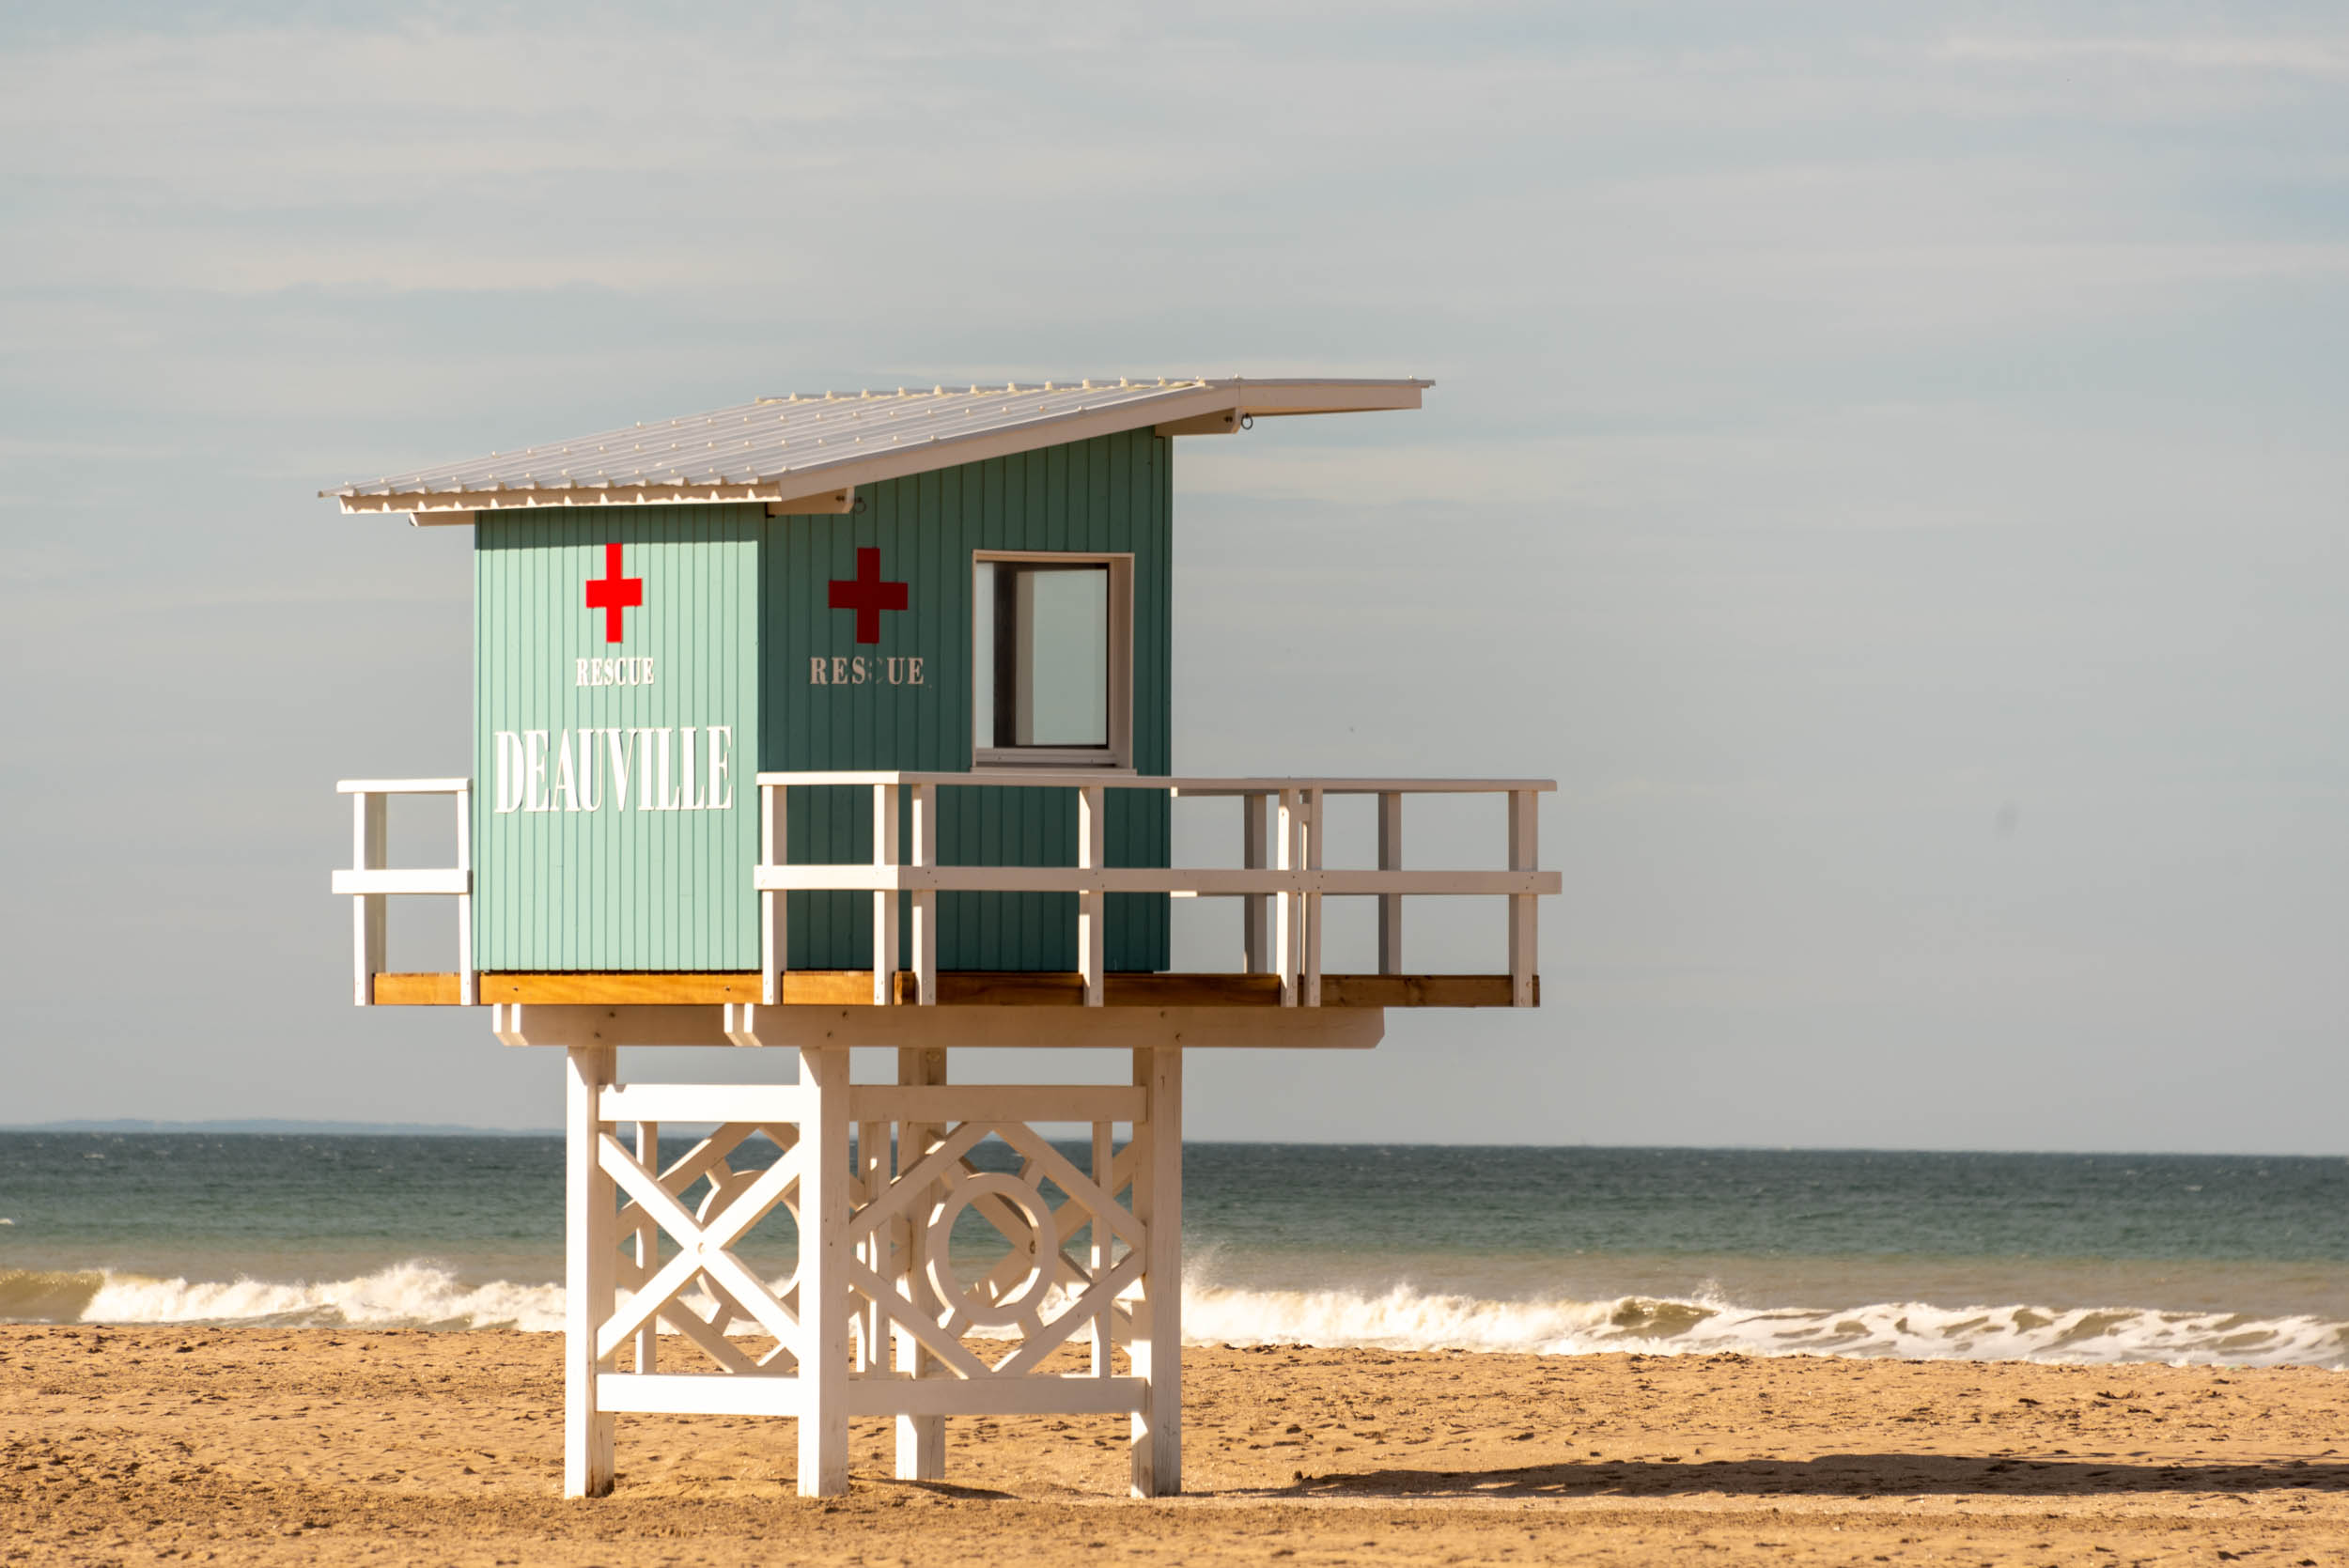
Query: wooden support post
x,y
1524,855
1309,981
1091,811
885,901
1254,932
1389,904
590,1246
926,902
1158,1346
1288,910
775,927
872,1174
823,1349
368,852
1104,1333
647,1248
468,982
921,1440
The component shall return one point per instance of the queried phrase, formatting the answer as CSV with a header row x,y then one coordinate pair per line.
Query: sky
x,y
1887,464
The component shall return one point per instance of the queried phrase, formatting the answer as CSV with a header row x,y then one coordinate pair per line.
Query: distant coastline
x,y
291,1127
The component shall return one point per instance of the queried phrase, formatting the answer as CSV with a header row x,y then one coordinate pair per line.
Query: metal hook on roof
x,y
1247,422
856,508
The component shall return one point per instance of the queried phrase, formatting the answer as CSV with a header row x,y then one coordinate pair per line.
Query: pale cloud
x,y
2324,57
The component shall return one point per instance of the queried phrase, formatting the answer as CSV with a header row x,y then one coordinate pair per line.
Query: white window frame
x,y
1118,755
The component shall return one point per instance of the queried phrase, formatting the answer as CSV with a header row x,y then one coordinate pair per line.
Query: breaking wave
x,y
1404,1318
424,1294
414,1295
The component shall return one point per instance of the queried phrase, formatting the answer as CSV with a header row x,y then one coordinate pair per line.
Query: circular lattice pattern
x,y
1018,1305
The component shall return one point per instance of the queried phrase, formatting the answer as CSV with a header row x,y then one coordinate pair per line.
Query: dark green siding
x,y
1114,494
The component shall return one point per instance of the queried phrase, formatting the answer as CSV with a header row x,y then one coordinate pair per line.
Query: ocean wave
x,y
423,1295
411,1295
1404,1318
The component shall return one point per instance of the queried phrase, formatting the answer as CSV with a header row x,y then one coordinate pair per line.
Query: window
x,y
1052,637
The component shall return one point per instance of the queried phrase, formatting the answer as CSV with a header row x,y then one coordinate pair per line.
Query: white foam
x,y
412,1294
1404,1318
419,1293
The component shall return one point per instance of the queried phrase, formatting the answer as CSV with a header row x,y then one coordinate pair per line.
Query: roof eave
x,y
1203,408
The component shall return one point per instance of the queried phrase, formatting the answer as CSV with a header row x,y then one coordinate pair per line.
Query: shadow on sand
x,y
1831,1475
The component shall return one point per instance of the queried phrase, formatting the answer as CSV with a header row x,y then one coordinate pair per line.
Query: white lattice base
x,y
873,1319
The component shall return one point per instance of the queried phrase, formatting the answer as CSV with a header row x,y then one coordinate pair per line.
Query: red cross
x,y
612,593
867,594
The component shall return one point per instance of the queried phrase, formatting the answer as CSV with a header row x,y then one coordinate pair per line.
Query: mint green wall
x,y
618,887
1111,494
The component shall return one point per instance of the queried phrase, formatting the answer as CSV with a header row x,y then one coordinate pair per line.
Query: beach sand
x,y
333,1447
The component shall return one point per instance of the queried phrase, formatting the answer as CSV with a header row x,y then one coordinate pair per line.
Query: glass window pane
x,y
1040,637
1062,676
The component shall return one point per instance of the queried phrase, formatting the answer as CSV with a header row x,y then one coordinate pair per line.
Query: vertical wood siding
x,y
616,888
1114,493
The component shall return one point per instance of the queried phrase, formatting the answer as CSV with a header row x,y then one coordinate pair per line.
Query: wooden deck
x,y
957,988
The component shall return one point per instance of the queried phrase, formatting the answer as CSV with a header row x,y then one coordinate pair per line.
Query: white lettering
x,y
588,776
839,671
916,665
682,768
645,799
583,671
721,757
647,664
619,742
509,795
665,750
815,670
534,770
566,780
858,664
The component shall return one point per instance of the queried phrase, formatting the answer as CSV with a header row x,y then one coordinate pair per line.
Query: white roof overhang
x,y
807,453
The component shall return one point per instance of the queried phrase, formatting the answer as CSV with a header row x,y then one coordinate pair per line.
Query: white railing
x,y
1294,884
370,881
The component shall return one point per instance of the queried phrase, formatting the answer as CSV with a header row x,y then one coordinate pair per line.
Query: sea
x,y
2226,1259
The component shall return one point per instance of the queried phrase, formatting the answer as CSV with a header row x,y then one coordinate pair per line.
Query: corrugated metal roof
x,y
803,445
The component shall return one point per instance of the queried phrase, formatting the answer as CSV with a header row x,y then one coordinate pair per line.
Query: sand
x,y
332,1447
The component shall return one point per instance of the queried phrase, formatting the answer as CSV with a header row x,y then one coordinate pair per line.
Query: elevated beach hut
x,y
839,721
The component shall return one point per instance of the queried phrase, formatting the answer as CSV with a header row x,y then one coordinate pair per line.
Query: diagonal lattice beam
x,y
1047,1338
910,1188
704,1247
898,1309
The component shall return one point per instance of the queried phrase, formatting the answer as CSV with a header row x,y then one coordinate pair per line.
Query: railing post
x,y
368,852
1389,904
774,930
884,900
1310,985
468,983
1252,923
1287,906
926,899
1092,808
1524,855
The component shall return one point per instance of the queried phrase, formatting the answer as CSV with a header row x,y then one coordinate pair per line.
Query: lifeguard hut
x,y
839,721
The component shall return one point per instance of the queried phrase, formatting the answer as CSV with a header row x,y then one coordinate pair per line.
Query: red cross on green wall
x,y
867,594
612,593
